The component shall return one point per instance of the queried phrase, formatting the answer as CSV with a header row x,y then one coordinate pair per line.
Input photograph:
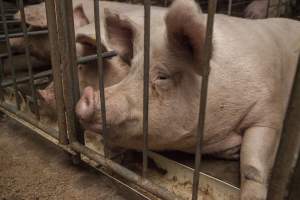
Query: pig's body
x,y
252,69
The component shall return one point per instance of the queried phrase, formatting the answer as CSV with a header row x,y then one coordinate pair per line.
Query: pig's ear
x,y
80,18
186,31
120,33
88,43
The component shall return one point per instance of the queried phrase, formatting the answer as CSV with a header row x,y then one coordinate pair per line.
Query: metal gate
x,y
70,136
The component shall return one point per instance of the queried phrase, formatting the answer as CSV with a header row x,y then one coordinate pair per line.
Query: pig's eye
x,y
163,77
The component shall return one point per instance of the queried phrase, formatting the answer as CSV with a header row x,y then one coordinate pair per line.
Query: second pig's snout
x,y
85,107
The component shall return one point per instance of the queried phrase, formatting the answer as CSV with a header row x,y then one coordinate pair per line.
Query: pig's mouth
x,y
92,126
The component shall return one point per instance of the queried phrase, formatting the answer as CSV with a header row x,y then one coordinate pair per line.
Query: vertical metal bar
x,y
203,98
268,9
289,148
279,8
229,7
10,64
57,77
1,79
67,61
28,60
147,9
101,72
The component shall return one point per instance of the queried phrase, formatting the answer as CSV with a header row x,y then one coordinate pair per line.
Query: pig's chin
x,y
93,127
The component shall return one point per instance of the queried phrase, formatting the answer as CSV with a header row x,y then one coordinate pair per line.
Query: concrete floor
x,y
32,168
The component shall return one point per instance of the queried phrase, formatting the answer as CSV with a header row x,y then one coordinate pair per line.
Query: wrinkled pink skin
x,y
256,9
250,81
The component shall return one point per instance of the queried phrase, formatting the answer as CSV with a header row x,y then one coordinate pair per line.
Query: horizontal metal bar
x,y
25,117
7,83
30,33
87,59
12,21
125,173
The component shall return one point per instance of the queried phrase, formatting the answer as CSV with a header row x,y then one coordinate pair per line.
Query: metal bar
x,y
125,173
13,69
203,98
29,33
229,7
101,73
57,77
52,132
7,83
1,79
28,60
12,21
147,10
73,69
279,8
89,58
268,9
289,148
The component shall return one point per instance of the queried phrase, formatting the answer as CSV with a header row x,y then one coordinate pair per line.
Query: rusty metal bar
x,y
13,69
147,10
28,60
57,77
203,98
289,148
29,33
73,69
125,173
101,73
229,7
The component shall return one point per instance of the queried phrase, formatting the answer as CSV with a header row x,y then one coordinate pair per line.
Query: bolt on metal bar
x,y
125,173
57,77
28,60
212,5
147,10
101,74
29,33
229,7
7,83
12,67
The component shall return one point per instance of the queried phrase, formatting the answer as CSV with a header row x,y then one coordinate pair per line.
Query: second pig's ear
x,y
120,33
80,18
186,31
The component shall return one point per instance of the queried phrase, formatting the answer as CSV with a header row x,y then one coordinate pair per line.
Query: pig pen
x,y
146,175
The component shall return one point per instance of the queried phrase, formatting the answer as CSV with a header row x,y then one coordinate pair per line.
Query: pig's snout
x,y
85,107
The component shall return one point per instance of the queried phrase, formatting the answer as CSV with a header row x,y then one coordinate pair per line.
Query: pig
x,y
251,75
115,69
257,9
83,14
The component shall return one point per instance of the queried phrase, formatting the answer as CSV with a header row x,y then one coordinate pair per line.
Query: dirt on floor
x,y
33,168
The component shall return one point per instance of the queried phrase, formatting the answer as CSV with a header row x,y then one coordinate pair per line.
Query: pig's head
x,y
174,84
35,16
115,69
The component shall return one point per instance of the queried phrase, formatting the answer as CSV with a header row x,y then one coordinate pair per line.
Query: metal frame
x,y
70,136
